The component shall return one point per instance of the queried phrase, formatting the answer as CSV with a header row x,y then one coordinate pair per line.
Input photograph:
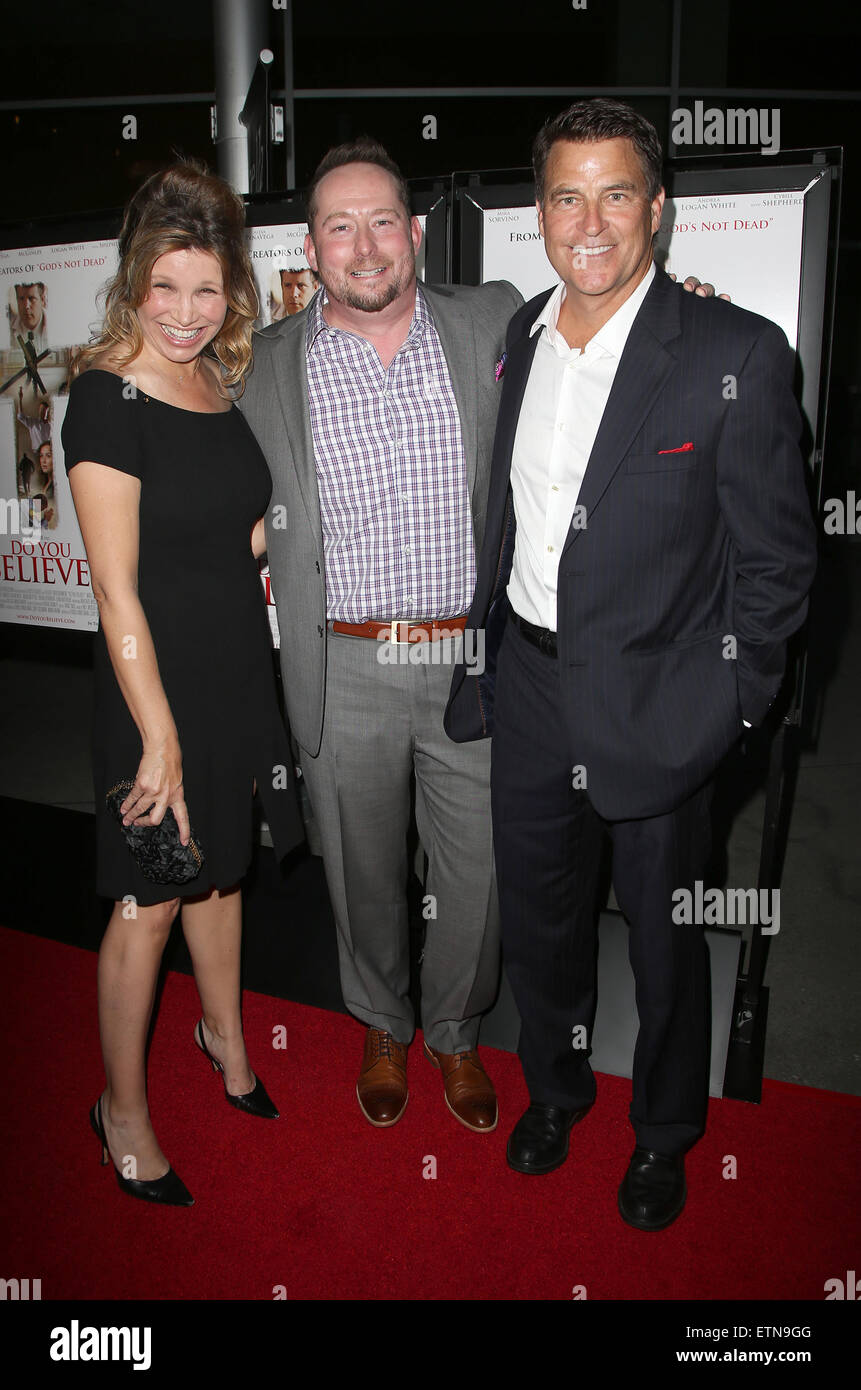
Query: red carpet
x,y
329,1208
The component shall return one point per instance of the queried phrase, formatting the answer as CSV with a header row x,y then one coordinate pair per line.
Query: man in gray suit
x,y
376,409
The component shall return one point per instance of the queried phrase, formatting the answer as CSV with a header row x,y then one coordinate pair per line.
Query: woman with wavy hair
x,y
170,488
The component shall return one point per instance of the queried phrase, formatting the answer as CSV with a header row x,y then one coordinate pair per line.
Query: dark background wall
x,y
155,61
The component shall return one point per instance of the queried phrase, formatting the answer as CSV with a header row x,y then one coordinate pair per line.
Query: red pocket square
x,y
682,449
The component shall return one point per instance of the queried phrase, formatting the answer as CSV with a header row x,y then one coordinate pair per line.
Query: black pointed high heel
x,y
169,1189
254,1102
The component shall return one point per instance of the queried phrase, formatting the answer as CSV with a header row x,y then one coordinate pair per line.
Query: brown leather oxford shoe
x,y
469,1092
382,1086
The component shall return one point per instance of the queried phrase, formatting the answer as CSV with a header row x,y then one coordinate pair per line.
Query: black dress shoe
x,y
539,1140
653,1190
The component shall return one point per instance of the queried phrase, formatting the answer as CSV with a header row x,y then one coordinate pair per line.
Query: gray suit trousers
x,y
382,722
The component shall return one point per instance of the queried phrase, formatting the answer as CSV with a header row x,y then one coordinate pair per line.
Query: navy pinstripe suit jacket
x,y
680,551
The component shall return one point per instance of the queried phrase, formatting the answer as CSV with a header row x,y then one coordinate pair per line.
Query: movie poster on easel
x,y
50,307
748,245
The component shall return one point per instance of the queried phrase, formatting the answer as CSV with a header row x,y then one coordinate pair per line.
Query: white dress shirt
x,y
562,407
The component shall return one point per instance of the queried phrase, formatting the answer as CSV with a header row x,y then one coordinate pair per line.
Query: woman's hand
x,y
158,784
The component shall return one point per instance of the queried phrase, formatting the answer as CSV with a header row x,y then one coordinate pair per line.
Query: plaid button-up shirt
x,y
394,503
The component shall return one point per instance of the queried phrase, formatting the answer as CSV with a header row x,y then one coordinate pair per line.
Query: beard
x,y
370,298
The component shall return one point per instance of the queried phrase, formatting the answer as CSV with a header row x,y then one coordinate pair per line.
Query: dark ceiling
x,y
69,159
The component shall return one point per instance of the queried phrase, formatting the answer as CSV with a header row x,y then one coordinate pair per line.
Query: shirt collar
x,y
613,335
316,323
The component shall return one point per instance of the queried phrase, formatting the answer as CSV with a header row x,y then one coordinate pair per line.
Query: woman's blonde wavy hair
x,y
183,208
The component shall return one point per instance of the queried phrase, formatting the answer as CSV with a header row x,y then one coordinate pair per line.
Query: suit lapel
x,y
518,364
457,335
290,369
646,363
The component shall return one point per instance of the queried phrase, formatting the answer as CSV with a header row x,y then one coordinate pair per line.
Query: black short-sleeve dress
x,y
204,483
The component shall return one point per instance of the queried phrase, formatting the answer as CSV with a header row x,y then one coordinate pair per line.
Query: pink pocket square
x,y
682,449
500,368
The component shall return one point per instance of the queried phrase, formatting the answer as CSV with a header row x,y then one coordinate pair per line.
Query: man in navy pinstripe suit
x,y
648,552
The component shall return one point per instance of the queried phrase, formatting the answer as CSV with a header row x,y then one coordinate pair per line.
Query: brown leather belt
x,y
401,630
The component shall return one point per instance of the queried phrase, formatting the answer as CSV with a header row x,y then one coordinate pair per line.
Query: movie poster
x,y
748,245
50,305
286,284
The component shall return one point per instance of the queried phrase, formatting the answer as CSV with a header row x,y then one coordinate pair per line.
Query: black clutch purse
x,y
157,849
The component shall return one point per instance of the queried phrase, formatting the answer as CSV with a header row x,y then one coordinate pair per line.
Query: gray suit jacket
x,y
471,323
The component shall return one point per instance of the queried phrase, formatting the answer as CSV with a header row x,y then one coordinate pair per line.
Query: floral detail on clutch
x,y
157,848
500,367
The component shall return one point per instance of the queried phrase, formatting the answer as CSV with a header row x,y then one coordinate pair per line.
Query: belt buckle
x,y
393,633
